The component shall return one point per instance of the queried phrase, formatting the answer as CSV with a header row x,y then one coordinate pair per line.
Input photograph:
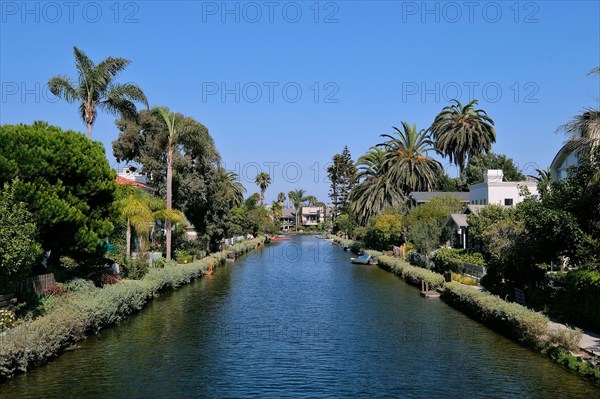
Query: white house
x,y
563,160
493,190
312,215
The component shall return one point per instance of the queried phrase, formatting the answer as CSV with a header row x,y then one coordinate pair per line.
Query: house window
x,y
508,201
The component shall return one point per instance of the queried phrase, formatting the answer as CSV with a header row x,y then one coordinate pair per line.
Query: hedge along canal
x,y
296,319
512,320
33,343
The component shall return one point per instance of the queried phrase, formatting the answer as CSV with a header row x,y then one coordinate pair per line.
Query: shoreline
x,y
34,343
509,319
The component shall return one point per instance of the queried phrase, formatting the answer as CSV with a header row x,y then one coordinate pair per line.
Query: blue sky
x,y
282,86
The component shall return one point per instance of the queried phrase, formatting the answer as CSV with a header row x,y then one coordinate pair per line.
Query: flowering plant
x,y
7,319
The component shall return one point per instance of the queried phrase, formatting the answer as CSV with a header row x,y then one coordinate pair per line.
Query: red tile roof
x,y
122,181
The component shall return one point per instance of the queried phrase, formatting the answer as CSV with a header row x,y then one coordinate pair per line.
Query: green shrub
x,y
570,362
161,262
79,284
451,259
135,269
577,298
68,263
413,275
568,338
510,319
7,319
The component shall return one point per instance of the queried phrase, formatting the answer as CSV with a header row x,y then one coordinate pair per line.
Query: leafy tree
x,y
425,223
137,214
445,183
384,231
341,175
262,181
344,224
461,133
66,182
198,188
480,163
19,248
96,89
235,189
479,223
373,191
407,164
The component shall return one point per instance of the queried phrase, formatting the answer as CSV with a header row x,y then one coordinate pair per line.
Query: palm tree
x,y
543,175
235,188
407,164
135,210
95,88
281,197
173,125
311,200
461,133
297,197
373,192
262,181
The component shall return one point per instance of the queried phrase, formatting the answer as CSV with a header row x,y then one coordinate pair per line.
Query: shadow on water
x,y
296,319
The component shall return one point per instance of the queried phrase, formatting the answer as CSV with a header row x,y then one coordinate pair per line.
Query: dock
x,y
427,293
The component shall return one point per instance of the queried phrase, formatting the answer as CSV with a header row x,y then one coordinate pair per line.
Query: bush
x,y
567,338
7,319
570,362
79,284
576,299
159,263
450,259
510,319
466,280
413,275
135,269
67,263
56,290
87,311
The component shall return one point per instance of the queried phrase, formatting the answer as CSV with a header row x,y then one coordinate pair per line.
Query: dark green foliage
x,y
385,231
200,187
511,319
66,182
480,163
19,248
341,175
576,298
450,259
570,362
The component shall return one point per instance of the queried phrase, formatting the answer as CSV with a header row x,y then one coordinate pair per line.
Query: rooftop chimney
x,y
493,175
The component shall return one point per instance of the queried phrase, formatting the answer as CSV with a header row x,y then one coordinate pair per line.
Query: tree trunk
x,y
89,131
128,239
169,194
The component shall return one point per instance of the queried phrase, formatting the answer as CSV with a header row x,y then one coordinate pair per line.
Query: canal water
x,y
297,320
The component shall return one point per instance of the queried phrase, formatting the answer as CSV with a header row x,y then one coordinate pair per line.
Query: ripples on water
x,y
298,320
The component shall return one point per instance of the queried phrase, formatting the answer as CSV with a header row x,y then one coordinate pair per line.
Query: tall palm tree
x,y
281,197
373,192
461,133
297,197
174,126
407,164
262,181
95,88
235,188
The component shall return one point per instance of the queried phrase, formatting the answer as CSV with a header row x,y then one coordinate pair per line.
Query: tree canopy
x,y
66,182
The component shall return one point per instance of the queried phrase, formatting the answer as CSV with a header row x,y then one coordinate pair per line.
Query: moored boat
x,y
362,260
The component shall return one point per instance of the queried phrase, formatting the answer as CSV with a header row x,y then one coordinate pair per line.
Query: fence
x,y
475,270
36,284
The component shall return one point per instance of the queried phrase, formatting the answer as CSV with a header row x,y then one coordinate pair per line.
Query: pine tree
x,y
341,174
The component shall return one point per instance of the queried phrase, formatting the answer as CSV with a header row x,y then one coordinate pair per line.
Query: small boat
x,y
280,238
322,237
362,260
345,247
